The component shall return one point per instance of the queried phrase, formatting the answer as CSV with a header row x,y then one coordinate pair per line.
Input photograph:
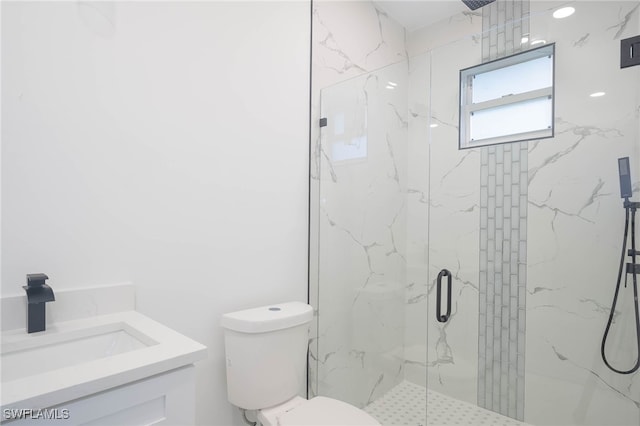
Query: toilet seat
x,y
318,411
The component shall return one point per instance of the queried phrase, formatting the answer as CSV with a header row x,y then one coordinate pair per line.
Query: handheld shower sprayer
x,y
624,173
632,268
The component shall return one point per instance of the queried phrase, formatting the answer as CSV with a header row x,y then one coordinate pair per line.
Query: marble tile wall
x,y
575,223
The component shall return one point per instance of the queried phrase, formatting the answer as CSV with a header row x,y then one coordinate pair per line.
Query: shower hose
x,y
630,209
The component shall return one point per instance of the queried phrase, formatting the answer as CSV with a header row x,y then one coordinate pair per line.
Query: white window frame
x,y
468,108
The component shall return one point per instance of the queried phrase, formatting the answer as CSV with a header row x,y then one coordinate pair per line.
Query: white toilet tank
x,y
266,353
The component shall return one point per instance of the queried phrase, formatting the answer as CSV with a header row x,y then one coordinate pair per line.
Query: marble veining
x,y
556,211
563,358
329,43
582,40
381,42
621,26
583,132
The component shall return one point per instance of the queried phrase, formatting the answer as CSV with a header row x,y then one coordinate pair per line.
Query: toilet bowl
x,y
318,411
266,359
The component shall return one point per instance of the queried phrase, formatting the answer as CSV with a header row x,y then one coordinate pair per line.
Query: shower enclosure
x,y
529,231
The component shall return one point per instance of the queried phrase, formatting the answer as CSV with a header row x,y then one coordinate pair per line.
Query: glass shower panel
x,y
363,236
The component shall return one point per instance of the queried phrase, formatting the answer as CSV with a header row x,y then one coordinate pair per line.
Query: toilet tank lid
x,y
268,318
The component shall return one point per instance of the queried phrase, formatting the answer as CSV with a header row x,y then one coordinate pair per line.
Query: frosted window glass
x,y
519,78
512,119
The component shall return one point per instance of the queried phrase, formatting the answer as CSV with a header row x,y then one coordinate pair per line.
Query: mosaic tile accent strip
x,y
503,237
504,23
410,404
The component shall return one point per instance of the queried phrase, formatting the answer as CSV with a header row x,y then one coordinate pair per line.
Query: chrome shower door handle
x,y
439,316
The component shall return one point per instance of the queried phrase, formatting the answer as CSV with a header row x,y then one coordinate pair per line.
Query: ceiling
x,y
414,14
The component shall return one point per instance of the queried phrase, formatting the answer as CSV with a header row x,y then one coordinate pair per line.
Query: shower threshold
x,y
410,404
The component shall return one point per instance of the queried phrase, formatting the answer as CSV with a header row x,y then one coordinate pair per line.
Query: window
x,y
508,100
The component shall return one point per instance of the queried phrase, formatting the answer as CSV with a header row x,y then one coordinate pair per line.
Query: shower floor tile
x,y
406,404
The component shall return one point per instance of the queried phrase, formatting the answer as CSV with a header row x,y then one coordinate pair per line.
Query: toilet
x,y
266,360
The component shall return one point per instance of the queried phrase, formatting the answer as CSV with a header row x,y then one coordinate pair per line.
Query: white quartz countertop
x,y
158,349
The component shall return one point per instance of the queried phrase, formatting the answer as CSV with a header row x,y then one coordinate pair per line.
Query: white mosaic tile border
x,y
410,404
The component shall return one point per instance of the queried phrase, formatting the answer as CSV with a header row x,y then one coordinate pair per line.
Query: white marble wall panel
x,y
467,24
575,226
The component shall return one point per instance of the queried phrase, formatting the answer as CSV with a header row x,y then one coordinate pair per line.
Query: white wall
x,y
164,144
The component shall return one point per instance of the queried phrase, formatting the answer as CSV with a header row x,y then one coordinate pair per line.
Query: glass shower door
x,y
454,232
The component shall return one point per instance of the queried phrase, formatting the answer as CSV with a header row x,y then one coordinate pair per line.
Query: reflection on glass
x,y
352,150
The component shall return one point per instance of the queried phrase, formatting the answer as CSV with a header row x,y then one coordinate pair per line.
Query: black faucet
x,y
38,293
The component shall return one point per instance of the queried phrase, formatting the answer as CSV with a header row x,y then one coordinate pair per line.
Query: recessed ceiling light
x,y
388,86
563,12
534,42
597,94
433,125
391,83
524,39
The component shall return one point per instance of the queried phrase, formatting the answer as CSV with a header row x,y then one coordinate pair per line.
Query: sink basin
x,y
34,355
77,358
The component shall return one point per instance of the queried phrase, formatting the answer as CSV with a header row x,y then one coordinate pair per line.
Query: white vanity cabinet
x,y
164,399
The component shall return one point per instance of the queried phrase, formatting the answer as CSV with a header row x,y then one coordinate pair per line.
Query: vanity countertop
x,y
73,359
